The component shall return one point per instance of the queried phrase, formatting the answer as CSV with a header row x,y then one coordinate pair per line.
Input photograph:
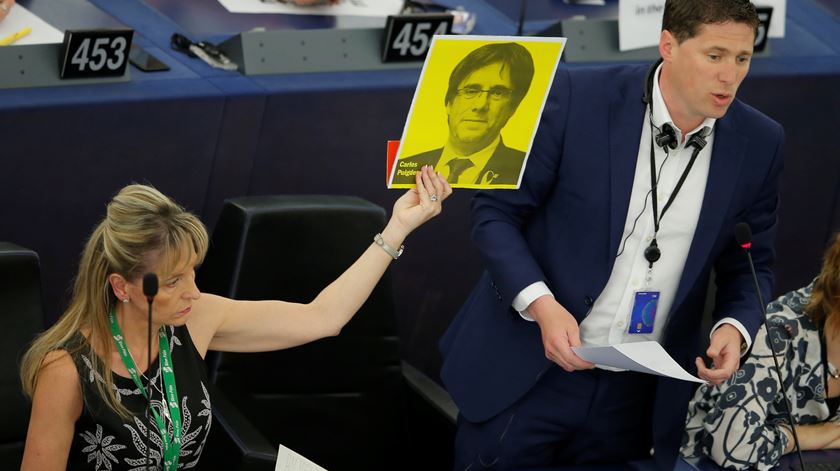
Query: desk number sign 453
x,y
95,53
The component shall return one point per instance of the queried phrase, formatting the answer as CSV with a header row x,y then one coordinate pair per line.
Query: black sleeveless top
x,y
102,440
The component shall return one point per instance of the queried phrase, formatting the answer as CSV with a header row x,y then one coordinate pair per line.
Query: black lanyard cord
x,y
653,183
644,207
698,141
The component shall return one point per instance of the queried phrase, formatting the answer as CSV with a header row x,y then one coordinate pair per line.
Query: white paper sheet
x,y
640,21
644,357
288,460
378,8
20,18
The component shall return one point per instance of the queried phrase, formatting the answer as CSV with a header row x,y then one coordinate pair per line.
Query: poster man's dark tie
x,y
456,168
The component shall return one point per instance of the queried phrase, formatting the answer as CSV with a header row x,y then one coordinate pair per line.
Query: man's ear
x,y
119,286
667,43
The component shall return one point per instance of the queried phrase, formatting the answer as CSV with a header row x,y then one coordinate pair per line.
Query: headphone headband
x,y
651,73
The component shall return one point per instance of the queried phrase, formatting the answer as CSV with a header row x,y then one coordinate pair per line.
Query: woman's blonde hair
x,y
141,226
825,296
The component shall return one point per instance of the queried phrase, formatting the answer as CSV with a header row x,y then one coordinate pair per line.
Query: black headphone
x,y
666,138
647,98
698,139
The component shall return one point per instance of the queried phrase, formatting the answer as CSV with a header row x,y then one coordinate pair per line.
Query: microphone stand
x,y
744,236
523,6
150,289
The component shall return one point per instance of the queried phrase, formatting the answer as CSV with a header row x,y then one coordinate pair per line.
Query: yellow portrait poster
x,y
476,109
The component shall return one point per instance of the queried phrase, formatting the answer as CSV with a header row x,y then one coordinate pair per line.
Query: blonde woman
x,y
742,424
87,374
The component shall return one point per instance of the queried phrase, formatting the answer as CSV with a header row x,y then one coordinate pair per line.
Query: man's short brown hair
x,y
513,56
683,18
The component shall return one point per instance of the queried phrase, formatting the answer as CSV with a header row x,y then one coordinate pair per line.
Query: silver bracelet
x,y
395,254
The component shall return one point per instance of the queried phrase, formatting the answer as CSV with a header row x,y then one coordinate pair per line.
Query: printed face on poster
x,y
476,110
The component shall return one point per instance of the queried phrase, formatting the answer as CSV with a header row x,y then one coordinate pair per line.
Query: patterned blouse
x,y
737,424
102,440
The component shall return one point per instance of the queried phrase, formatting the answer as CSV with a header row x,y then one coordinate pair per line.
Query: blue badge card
x,y
644,312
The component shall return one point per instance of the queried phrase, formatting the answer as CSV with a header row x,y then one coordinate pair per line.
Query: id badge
x,y
644,312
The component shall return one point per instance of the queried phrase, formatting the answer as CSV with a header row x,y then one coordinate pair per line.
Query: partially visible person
x,y
636,179
742,423
87,375
5,8
485,89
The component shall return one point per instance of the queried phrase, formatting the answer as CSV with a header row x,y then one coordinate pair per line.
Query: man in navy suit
x,y
635,182
485,89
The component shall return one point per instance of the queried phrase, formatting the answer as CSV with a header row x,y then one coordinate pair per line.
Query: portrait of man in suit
x,y
484,91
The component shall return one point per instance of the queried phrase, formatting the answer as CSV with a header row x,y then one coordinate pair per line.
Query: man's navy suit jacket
x,y
503,168
564,226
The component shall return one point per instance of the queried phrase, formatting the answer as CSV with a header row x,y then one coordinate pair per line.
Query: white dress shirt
x,y
607,322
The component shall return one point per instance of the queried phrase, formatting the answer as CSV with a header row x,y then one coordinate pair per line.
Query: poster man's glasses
x,y
495,93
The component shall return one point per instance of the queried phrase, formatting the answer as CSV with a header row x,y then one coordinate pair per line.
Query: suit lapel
x,y
495,163
724,171
625,121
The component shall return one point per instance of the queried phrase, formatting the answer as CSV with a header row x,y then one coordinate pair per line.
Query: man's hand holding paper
x,y
725,352
560,333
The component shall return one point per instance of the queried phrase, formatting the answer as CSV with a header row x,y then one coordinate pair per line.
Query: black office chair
x,y
21,317
345,402
234,444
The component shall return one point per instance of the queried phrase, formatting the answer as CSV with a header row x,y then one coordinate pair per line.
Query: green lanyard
x,y
171,449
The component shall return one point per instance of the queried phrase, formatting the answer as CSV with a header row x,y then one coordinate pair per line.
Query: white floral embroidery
x,y
100,448
206,412
138,437
173,339
95,376
188,436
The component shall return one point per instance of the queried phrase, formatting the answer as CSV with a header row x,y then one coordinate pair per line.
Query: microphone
x,y
667,137
523,6
150,286
150,290
743,235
